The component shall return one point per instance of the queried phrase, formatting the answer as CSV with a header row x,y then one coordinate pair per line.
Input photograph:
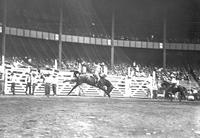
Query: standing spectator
x,y
134,64
54,84
34,83
40,75
129,72
137,71
28,84
13,81
2,81
47,86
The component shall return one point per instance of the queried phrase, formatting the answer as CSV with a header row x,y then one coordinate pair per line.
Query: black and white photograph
x,y
99,68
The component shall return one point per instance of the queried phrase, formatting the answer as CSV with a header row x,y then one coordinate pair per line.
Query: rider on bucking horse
x,y
99,72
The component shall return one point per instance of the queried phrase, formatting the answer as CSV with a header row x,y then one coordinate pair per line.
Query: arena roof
x,y
135,18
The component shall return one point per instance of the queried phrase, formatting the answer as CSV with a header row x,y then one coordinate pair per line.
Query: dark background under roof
x,y
134,18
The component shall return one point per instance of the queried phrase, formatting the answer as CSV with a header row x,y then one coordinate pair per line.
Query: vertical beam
x,y
60,33
4,31
113,38
164,43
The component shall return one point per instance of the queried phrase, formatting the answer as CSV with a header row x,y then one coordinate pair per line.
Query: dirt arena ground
x,y
98,117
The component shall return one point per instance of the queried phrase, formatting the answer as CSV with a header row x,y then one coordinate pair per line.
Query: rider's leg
x,y
97,78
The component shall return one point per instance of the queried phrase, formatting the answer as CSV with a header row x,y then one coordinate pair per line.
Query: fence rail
x,y
124,86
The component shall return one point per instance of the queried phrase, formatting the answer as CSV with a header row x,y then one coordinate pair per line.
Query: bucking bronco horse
x,y
103,84
173,89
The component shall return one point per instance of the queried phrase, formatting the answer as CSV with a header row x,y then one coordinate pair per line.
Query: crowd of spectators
x,y
137,69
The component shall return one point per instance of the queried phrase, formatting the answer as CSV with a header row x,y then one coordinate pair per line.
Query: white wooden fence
x,y
124,86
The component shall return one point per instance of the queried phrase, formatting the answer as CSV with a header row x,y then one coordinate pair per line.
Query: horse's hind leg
x,y
106,91
72,89
110,89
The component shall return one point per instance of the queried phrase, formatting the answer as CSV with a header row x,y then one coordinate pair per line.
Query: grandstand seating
x,y
43,53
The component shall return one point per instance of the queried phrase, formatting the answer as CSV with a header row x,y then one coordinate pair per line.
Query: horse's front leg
x,y
73,88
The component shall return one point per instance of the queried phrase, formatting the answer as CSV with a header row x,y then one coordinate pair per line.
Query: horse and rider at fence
x,y
173,89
